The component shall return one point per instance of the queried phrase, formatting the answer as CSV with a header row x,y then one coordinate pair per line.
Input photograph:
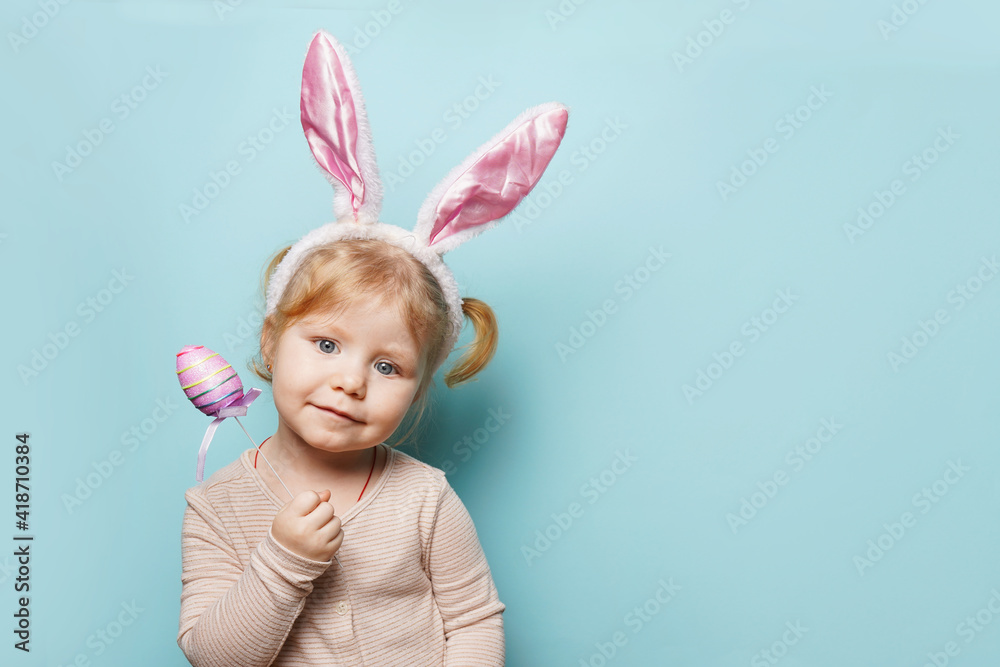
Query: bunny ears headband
x,y
472,198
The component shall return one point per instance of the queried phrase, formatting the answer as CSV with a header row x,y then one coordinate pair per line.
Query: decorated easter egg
x,y
207,379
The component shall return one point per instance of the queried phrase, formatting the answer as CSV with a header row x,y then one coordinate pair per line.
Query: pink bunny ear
x,y
493,180
336,127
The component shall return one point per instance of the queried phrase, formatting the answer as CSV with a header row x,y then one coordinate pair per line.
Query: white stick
x,y
275,474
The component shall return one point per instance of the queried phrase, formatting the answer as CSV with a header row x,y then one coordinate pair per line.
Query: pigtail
x,y
481,350
478,353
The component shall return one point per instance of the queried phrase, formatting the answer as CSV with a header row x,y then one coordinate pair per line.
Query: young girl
x,y
350,552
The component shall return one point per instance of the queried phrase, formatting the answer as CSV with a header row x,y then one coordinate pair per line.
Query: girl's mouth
x,y
340,415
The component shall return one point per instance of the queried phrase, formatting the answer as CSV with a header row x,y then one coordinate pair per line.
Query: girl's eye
x,y
328,347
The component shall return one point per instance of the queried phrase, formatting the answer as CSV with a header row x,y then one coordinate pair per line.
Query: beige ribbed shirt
x,y
415,588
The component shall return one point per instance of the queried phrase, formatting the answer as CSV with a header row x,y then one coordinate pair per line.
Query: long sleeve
x,y
463,588
231,615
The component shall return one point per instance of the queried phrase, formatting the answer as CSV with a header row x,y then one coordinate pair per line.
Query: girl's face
x,y
345,383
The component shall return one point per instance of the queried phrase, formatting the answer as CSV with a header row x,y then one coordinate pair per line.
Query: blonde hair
x,y
334,276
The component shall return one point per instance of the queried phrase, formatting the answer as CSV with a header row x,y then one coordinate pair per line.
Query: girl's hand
x,y
308,527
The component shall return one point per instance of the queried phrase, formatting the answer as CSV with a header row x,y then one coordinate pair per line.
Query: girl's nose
x,y
350,380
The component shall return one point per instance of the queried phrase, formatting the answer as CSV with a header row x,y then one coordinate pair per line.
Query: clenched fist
x,y
308,527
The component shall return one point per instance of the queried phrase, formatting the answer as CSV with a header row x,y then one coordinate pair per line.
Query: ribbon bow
x,y
237,409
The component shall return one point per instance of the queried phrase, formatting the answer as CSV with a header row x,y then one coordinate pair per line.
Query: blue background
x,y
667,99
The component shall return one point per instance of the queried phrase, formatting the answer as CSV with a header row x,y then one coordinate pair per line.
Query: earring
x,y
269,367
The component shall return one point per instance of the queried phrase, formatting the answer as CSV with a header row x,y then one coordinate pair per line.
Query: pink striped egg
x,y
207,379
